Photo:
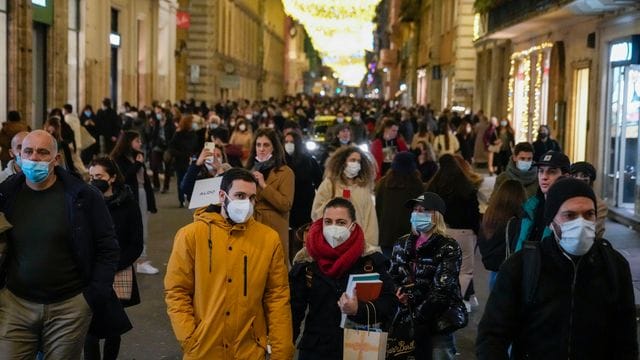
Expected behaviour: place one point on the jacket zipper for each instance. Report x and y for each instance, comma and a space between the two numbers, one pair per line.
573, 289
210, 248
245, 275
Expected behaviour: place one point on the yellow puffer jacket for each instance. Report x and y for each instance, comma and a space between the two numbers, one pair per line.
226, 295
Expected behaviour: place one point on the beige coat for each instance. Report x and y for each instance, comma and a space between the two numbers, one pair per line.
274, 202
362, 199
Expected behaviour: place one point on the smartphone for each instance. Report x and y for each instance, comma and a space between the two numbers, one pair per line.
211, 146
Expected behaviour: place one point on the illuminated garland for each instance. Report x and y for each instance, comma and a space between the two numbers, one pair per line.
340, 30
524, 58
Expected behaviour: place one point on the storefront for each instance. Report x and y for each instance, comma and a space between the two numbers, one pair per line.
3, 60
622, 154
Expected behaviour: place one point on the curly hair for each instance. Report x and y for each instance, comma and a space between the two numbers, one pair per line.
334, 168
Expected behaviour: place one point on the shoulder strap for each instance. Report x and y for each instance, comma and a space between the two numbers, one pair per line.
530, 270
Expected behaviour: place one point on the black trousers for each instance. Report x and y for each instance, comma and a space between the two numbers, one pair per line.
109, 352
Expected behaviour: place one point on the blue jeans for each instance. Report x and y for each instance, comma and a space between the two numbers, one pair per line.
493, 275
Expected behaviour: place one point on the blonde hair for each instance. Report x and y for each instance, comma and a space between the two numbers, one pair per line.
440, 226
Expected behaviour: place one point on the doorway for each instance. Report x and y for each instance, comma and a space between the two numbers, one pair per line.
580, 110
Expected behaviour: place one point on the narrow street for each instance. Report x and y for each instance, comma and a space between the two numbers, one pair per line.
152, 337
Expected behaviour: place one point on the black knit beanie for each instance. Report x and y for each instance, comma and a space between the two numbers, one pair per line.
562, 190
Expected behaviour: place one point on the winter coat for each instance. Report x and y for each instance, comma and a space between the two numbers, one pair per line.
274, 202
129, 170
159, 144
94, 246
361, 198
310, 288
181, 147
579, 310
540, 147
308, 177
528, 227
480, 150
440, 145
393, 216
127, 220
433, 268
528, 179
377, 147
467, 143
9, 130
226, 290
108, 123
462, 208
8, 171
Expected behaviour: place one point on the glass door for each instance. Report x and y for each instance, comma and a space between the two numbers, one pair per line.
623, 158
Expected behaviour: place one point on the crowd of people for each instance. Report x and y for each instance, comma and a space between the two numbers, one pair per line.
399, 193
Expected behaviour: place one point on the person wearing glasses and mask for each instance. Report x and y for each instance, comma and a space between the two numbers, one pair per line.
237, 266
569, 296
335, 248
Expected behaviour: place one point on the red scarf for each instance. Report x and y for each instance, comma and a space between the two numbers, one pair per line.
334, 262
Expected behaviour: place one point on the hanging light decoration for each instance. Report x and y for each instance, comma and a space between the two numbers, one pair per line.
340, 30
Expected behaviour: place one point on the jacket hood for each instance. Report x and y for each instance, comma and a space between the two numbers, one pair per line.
208, 216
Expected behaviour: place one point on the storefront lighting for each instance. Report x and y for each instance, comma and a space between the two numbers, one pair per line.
340, 30
403, 87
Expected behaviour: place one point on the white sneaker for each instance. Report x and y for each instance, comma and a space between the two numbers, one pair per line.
146, 268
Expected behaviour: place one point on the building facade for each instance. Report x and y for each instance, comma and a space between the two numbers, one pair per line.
81, 51
573, 65
232, 49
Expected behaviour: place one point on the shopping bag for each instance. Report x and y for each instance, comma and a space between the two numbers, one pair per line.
401, 340
365, 344
86, 139
123, 283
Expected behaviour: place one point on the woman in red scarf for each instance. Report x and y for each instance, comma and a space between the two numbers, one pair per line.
335, 248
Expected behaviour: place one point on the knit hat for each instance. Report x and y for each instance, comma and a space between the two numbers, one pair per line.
404, 162
555, 159
585, 168
562, 190
429, 201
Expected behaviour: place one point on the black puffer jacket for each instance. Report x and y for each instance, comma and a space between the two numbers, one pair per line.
127, 220
582, 310
433, 268
323, 337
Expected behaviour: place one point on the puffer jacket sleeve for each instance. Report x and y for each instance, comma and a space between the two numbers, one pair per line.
179, 286
280, 193
500, 319
278, 308
626, 342
446, 285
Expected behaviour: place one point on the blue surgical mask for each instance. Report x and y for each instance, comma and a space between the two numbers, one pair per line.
523, 165
87, 113
35, 171
421, 222
18, 161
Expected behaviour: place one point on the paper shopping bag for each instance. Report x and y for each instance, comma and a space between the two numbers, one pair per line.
364, 345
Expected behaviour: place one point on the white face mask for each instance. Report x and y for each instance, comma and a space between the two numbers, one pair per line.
352, 170
242, 127
336, 235
239, 211
265, 158
523, 165
577, 236
289, 148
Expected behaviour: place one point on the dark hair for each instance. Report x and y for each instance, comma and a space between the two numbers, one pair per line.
106, 102
54, 121
234, 174
385, 124
339, 202
123, 145
505, 203
278, 150
13, 115
68, 108
523, 147
422, 128
110, 166
449, 179
289, 124
298, 145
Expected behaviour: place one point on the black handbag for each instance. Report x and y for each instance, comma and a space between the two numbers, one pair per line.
401, 342
453, 318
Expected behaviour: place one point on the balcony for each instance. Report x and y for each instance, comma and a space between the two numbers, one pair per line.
515, 11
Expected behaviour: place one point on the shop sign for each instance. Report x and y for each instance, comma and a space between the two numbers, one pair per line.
183, 19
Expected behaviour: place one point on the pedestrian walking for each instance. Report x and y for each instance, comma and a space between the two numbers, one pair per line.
127, 220
571, 284
507, 142
520, 168
424, 267
386, 145
335, 249
544, 143
182, 147
13, 167
584, 171
10, 128
226, 286
58, 275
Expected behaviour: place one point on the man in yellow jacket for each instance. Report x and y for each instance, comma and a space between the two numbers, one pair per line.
226, 287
